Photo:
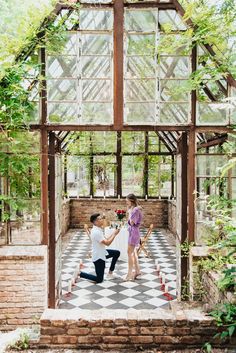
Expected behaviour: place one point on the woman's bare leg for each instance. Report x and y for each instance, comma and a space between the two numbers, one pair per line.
130, 262
136, 264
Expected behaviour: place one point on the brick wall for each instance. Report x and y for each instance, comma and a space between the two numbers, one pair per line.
23, 285
119, 329
212, 294
154, 211
65, 216
172, 216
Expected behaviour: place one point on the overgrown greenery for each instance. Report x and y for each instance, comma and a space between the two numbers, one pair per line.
19, 87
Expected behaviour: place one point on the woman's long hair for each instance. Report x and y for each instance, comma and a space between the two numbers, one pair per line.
133, 199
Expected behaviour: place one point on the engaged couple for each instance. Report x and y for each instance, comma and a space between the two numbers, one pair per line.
99, 243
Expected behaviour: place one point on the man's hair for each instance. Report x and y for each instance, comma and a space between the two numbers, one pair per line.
94, 217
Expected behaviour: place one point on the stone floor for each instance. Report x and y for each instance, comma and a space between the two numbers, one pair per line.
144, 293
124, 351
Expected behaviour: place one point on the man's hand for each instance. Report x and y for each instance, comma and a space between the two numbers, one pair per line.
110, 239
117, 231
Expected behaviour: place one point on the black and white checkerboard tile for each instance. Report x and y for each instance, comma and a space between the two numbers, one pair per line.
144, 293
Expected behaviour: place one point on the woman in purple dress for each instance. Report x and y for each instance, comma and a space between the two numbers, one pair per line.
134, 222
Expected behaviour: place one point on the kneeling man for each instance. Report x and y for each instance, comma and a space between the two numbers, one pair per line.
99, 251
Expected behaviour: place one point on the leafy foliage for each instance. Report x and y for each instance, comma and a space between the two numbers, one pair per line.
225, 315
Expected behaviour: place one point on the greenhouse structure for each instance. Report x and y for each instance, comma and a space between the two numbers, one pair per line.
111, 98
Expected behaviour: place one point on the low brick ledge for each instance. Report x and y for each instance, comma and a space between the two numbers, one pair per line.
21, 252
122, 329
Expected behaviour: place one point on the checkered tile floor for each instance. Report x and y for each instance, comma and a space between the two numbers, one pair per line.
144, 293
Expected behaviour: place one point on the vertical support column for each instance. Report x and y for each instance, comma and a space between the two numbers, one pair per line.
191, 156
119, 164
191, 185
44, 150
172, 176
65, 175
145, 186
184, 208
52, 224
118, 97
91, 167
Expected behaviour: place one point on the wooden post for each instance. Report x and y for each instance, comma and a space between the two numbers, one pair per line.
145, 186
119, 164
184, 210
44, 150
52, 224
118, 63
191, 157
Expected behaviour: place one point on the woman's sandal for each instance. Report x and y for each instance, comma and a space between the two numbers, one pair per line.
137, 275
127, 279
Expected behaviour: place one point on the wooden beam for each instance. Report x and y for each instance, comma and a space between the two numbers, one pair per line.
118, 99
150, 4
214, 142
52, 223
61, 127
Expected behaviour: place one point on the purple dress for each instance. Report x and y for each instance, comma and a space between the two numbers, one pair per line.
134, 232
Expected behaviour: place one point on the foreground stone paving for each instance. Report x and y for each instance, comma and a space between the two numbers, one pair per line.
181, 327
124, 351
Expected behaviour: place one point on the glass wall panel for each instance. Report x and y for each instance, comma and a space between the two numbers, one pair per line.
132, 175
104, 175
104, 142
174, 113
174, 67
78, 176
172, 19
141, 90
171, 90
62, 66
140, 66
96, 113
159, 176
233, 106
82, 73
154, 175
150, 82
153, 142
63, 113
209, 165
99, 67
142, 20
96, 90
62, 90
96, 44
140, 113
132, 142
209, 114
141, 44
95, 19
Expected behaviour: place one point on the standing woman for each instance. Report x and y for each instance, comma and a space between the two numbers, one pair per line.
134, 222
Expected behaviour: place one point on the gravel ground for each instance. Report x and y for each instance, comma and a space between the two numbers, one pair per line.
123, 351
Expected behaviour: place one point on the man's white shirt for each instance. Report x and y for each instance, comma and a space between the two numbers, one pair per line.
98, 248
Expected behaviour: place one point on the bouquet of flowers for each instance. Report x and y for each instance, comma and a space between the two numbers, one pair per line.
120, 214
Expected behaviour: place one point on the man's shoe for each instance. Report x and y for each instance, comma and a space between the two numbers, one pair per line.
112, 276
